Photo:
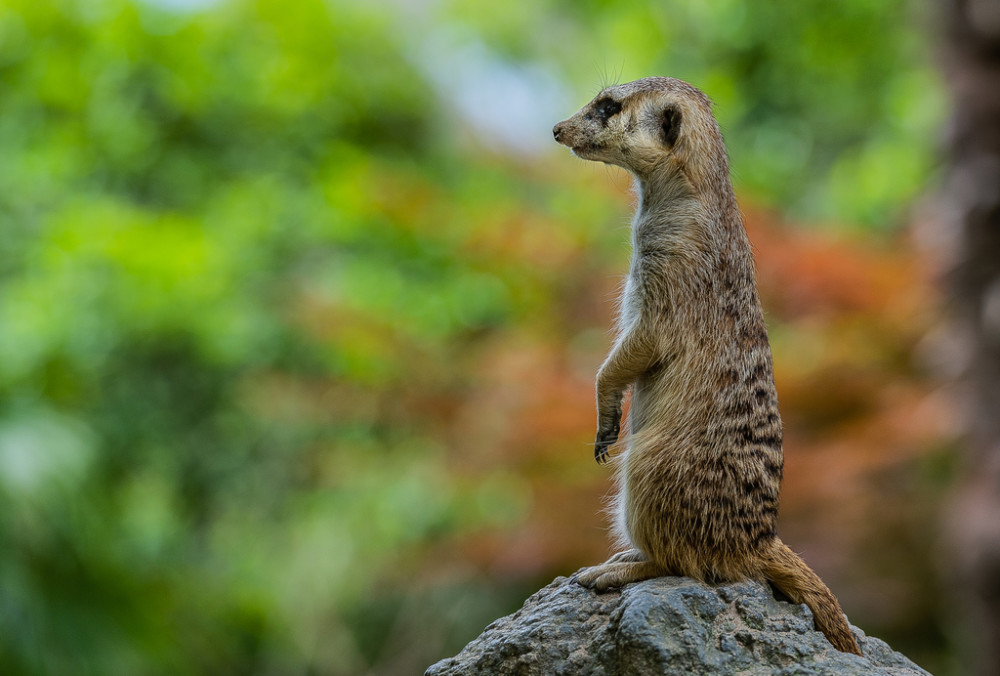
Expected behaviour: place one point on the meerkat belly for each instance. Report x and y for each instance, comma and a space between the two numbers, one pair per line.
695, 499
657, 469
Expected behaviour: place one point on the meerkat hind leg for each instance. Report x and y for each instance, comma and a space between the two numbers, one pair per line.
628, 556
608, 575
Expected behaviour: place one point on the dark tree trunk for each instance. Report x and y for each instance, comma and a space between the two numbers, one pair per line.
972, 208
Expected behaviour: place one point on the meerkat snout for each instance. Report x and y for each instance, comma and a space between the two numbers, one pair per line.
556, 131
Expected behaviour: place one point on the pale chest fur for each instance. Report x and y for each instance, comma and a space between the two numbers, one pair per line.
631, 300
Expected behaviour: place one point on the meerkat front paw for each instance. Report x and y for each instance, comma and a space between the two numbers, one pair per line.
607, 436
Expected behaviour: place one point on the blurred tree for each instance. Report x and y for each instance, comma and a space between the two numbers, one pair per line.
204, 300
972, 209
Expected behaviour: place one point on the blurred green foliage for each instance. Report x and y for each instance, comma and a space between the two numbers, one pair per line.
235, 238
830, 110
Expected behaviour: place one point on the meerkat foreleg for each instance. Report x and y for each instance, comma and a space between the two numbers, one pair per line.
628, 359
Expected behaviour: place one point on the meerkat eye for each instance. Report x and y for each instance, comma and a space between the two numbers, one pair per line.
670, 124
605, 109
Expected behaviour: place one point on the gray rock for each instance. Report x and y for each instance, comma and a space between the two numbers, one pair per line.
669, 625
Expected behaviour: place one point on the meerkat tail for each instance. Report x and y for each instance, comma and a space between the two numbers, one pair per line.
789, 573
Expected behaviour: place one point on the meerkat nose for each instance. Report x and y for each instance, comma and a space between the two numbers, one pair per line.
556, 131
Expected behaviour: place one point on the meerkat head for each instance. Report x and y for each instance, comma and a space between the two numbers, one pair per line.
650, 125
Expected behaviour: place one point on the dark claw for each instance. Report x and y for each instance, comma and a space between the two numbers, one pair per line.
601, 453
605, 440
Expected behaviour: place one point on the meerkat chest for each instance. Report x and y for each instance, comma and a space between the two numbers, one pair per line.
631, 301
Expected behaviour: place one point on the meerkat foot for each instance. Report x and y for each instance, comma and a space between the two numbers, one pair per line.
628, 556
608, 575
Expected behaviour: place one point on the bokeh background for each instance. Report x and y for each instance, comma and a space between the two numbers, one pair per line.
300, 308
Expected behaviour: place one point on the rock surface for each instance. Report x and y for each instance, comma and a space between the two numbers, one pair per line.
669, 625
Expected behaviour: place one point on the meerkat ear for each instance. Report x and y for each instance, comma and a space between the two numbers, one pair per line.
670, 124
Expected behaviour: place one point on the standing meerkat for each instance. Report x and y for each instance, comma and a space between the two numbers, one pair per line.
700, 473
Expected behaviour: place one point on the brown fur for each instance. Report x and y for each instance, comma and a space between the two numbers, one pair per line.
700, 474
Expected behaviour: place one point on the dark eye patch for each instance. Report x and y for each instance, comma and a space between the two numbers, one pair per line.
605, 109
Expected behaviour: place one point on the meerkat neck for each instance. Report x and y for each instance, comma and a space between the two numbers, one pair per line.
661, 190
656, 225
698, 225
670, 216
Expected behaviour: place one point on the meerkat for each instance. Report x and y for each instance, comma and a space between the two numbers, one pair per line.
699, 475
